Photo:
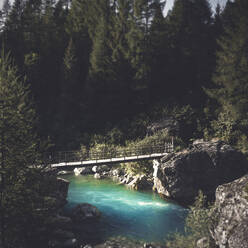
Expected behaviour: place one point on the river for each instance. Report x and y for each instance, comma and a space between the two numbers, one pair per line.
133, 214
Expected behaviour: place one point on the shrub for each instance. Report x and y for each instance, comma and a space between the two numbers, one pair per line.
140, 167
197, 225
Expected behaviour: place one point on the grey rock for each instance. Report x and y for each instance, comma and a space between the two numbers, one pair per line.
231, 215
85, 211
83, 171
98, 176
140, 182
206, 165
104, 168
86, 170
202, 243
100, 168
95, 168
61, 173
78, 171
116, 172
126, 179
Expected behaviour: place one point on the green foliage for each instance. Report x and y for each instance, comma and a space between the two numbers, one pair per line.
138, 168
115, 143
190, 50
95, 62
197, 226
230, 79
22, 182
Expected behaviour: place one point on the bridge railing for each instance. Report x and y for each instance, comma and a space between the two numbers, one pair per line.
78, 156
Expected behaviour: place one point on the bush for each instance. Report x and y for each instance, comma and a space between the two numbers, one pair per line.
197, 225
135, 168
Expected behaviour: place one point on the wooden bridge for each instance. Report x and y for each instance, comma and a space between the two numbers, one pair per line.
72, 159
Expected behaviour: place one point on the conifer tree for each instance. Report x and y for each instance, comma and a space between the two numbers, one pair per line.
70, 99
20, 179
231, 78
5, 12
189, 26
101, 71
158, 53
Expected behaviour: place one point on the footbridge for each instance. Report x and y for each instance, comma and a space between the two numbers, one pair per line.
73, 159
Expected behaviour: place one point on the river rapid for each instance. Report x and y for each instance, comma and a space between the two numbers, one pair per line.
128, 213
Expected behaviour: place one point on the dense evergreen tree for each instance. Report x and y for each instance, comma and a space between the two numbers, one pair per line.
122, 55
4, 13
93, 65
231, 78
70, 100
159, 54
101, 74
191, 55
20, 184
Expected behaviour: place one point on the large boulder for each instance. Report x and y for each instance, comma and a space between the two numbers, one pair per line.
126, 179
100, 168
140, 182
85, 211
204, 166
230, 227
98, 176
82, 171
62, 173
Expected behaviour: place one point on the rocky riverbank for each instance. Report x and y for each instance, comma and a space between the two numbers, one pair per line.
179, 176
137, 182
231, 214
204, 166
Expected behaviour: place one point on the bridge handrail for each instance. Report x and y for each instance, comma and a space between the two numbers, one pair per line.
73, 156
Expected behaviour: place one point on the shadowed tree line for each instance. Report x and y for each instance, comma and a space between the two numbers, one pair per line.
110, 67
91, 64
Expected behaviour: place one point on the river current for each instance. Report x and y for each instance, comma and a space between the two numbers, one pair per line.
133, 214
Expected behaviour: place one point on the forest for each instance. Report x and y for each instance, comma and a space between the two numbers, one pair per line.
106, 66
84, 72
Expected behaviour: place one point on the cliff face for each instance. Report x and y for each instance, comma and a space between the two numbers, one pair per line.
204, 166
231, 215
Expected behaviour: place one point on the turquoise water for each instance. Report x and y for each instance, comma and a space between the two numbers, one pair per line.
133, 214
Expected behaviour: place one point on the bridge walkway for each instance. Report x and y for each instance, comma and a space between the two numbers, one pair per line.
72, 159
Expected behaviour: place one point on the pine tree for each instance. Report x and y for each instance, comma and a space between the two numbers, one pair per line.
70, 100
190, 41
231, 78
5, 12
20, 179
158, 53
13, 31
101, 74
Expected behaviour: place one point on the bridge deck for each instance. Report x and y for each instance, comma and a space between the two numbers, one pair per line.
72, 159
107, 161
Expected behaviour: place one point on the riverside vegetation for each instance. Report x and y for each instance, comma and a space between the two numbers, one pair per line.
99, 73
